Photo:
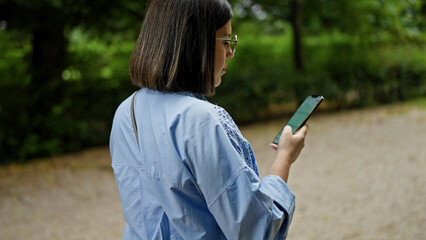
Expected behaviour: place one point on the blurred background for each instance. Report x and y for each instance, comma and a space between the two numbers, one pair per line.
64, 63
64, 71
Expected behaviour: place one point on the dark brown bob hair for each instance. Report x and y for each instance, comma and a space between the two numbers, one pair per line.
175, 48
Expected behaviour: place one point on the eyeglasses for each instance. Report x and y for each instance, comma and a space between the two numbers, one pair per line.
231, 42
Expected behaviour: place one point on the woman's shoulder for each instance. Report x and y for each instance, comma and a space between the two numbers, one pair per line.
220, 117
205, 109
202, 110
123, 109
188, 106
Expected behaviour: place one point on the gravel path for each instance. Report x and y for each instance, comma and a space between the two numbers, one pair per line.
362, 175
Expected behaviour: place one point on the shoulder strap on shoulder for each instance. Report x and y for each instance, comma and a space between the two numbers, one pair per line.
132, 114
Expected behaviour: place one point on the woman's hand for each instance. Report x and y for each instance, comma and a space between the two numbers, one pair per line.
290, 146
288, 149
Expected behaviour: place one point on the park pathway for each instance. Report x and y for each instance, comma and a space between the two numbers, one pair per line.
362, 176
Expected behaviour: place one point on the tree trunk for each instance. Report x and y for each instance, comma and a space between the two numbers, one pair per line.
46, 88
47, 63
296, 22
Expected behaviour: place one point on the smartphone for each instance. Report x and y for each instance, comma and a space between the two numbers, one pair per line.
302, 114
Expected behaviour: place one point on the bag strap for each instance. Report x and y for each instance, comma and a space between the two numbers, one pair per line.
132, 114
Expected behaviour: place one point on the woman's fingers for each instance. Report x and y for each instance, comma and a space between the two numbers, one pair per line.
302, 131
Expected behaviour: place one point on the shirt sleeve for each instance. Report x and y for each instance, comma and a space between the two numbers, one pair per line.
244, 206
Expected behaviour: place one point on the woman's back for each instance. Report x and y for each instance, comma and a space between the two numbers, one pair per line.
158, 167
182, 181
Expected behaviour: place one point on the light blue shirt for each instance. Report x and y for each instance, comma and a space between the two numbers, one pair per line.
194, 176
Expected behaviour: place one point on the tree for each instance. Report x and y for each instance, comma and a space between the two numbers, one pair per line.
296, 22
402, 20
286, 10
46, 24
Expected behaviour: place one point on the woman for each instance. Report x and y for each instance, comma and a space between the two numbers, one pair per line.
183, 169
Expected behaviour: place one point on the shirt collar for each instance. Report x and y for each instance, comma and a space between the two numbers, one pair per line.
196, 95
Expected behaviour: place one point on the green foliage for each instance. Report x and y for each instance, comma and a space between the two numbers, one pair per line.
258, 74
348, 71
403, 20
359, 74
357, 53
94, 83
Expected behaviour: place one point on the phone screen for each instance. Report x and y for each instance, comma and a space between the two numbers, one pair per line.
301, 115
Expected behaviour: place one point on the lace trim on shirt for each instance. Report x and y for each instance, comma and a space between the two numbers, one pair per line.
241, 145
196, 95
